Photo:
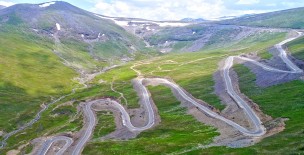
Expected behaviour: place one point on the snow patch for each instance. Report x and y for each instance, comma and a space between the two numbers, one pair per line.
164, 24
58, 27
161, 24
120, 23
144, 22
46, 4
100, 35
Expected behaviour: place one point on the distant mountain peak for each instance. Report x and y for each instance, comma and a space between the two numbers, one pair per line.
198, 20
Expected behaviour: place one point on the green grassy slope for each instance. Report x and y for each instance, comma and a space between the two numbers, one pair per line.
30, 74
264, 54
282, 19
297, 48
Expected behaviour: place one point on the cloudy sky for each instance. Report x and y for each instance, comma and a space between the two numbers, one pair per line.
175, 9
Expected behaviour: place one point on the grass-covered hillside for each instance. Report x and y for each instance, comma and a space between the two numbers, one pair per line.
297, 48
292, 18
30, 75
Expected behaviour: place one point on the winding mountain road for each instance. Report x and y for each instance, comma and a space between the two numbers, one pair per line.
259, 129
29, 124
91, 121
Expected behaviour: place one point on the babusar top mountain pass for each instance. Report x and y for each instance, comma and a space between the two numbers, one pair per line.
151, 77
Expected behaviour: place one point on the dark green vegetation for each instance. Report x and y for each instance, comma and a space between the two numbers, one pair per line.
297, 48
264, 54
105, 124
292, 18
170, 136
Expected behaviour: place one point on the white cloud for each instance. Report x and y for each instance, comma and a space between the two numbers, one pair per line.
4, 3
248, 2
159, 9
170, 9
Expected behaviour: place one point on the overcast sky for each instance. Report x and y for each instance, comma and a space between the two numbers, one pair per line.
175, 9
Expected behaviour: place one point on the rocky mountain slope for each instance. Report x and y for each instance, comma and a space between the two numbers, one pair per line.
196, 37
192, 36
80, 37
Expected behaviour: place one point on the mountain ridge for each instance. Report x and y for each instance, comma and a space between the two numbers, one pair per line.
197, 20
99, 41
290, 18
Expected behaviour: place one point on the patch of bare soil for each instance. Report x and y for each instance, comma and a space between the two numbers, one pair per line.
13, 152
16, 152
56, 147
37, 143
268, 78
